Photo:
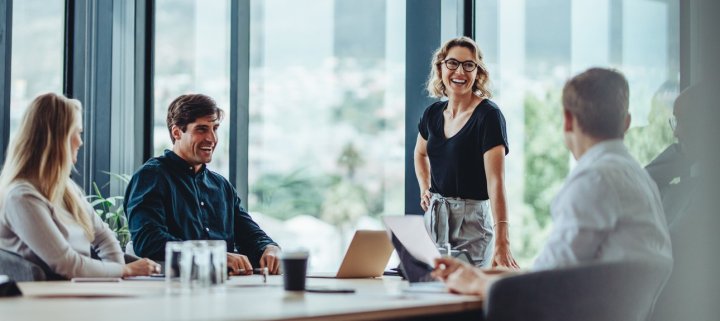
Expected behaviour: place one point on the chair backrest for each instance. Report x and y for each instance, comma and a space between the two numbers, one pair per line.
599, 291
20, 269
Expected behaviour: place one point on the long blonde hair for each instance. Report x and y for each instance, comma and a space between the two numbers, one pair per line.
41, 154
435, 86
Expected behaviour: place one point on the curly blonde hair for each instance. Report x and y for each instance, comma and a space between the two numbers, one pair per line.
435, 86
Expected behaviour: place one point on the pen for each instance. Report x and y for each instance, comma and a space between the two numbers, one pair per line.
262, 271
255, 270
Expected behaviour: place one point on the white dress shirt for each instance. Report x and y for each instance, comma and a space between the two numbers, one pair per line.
609, 209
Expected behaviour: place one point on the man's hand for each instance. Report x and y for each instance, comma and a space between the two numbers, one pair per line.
460, 277
271, 259
239, 264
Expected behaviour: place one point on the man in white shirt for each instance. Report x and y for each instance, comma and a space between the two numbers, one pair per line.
609, 208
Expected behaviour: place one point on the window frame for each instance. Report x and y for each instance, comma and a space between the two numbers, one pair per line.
88, 76
6, 8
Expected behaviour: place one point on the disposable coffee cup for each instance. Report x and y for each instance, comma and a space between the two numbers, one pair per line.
294, 267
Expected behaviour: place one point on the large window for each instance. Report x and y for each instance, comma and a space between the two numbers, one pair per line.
37, 53
327, 94
326, 153
532, 48
192, 55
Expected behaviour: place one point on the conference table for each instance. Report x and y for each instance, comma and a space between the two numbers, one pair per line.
242, 298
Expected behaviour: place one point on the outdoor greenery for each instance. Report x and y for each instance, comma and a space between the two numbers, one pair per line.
546, 164
338, 198
285, 195
646, 142
344, 181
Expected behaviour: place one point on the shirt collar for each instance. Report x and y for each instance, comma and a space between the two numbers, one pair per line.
615, 146
181, 165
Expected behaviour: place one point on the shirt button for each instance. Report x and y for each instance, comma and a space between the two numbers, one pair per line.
202, 203
207, 229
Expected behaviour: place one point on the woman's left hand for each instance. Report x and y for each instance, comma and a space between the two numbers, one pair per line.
502, 257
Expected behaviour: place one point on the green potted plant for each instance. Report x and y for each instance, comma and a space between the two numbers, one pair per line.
111, 211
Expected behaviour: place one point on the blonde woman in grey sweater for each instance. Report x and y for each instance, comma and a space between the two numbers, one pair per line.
43, 215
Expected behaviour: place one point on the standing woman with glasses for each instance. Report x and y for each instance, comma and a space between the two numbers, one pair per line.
43, 215
460, 158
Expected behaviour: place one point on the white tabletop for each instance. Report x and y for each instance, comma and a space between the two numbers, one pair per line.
243, 298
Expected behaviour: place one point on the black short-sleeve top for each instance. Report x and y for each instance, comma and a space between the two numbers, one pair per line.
457, 168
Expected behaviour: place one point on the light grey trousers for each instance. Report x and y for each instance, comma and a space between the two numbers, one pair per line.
464, 224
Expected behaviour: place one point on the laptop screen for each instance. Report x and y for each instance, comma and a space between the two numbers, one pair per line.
413, 269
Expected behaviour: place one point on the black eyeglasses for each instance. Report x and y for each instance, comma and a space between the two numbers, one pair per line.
453, 64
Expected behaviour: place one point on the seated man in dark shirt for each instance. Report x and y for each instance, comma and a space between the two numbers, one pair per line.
675, 170
175, 197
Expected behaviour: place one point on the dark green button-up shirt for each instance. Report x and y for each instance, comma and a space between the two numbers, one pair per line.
167, 201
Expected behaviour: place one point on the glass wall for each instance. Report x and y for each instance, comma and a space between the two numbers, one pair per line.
327, 88
326, 141
532, 48
37, 53
192, 55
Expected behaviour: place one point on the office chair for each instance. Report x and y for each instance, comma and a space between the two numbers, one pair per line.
19, 269
599, 291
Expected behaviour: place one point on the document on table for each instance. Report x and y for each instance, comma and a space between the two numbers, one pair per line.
410, 231
154, 277
95, 279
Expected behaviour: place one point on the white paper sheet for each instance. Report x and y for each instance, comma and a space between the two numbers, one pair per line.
410, 231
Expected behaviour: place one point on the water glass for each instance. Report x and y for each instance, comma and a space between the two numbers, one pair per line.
193, 265
175, 252
218, 262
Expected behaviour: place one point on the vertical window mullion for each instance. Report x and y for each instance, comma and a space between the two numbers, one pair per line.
88, 77
239, 95
5, 65
145, 72
423, 37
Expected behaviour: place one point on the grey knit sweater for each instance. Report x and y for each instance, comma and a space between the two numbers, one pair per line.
42, 232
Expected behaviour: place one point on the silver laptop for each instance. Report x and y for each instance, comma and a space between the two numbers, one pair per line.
366, 257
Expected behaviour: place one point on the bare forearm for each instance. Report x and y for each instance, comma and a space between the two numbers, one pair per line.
498, 202
422, 172
422, 164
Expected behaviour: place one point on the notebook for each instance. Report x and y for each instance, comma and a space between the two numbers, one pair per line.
366, 257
